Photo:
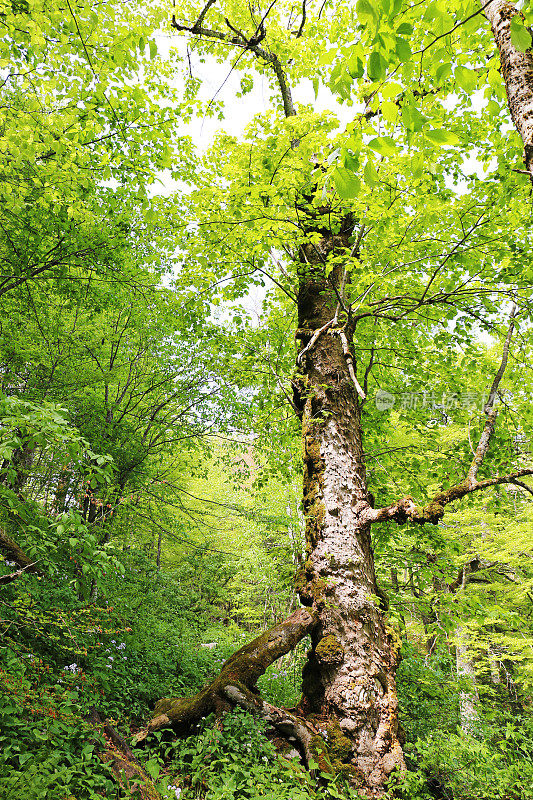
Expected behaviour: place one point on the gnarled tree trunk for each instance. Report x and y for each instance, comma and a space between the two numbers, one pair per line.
347, 717
349, 675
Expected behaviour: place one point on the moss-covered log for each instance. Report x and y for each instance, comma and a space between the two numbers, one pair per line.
236, 682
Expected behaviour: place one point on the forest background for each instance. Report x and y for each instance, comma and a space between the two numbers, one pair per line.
150, 483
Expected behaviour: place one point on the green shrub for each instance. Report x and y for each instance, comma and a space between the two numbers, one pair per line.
240, 762
46, 749
496, 766
428, 693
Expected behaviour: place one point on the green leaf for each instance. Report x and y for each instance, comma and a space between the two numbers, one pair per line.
494, 78
377, 66
346, 183
440, 136
391, 90
351, 162
370, 173
327, 57
403, 49
384, 145
355, 66
366, 8
412, 118
404, 29
520, 36
153, 49
443, 71
389, 110
417, 167
466, 79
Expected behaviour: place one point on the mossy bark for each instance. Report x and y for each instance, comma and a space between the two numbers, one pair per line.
236, 681
348, 688
348, 680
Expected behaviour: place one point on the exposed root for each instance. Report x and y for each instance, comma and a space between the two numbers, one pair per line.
285, 722
236, 684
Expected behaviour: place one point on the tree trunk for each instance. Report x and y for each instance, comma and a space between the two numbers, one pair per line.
517, 71
349, 677
468, 699
348, 712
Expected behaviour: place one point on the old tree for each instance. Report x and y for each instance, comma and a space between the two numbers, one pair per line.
377, 213
398, 257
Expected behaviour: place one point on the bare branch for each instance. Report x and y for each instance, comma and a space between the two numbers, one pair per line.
252, 44
199, 21
15, 553
314, 338
349, 361
14, 575
523, 486
302, 23
490, 408
239, 673
452, 30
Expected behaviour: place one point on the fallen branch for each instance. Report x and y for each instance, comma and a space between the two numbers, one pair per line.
12, 576
15, 553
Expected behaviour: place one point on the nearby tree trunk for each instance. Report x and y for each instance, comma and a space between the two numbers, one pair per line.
349, 675
468, 699
517, 71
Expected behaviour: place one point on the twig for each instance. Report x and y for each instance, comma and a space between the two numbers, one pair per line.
349, 361
314, 338
14, 575
523, 486
490, 408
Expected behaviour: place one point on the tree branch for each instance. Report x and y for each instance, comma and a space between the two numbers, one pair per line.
523, 486
407, 509
240, 40
12, 576
15, 553
490, 408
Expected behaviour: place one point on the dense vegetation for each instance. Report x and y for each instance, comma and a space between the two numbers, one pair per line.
151, 521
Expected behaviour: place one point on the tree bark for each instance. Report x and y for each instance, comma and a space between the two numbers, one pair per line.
468, 699
349, 677
236, 685
517, 71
